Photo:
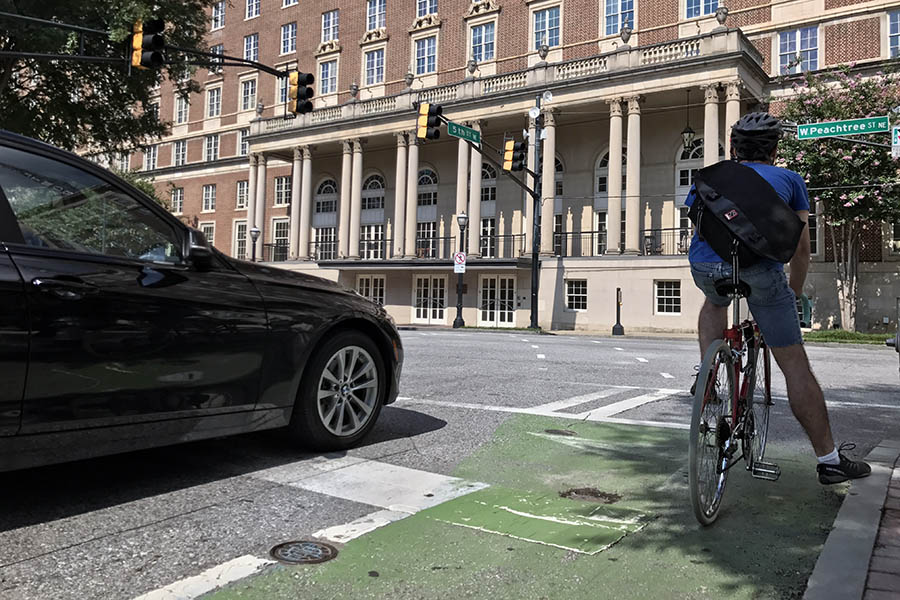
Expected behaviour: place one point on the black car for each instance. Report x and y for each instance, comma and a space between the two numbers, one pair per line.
121, 328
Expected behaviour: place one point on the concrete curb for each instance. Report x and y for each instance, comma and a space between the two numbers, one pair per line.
843, 565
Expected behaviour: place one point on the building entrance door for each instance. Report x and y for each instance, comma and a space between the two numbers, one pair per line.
497, 301
430, 299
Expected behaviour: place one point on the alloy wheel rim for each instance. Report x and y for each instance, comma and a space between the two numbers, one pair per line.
347, 391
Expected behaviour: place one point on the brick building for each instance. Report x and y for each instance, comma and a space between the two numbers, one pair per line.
347, 192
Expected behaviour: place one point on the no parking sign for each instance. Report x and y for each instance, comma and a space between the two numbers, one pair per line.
459, 262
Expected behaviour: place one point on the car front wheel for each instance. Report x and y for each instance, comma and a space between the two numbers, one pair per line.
341, 394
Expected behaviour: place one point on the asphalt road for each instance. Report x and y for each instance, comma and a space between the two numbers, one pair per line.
119, 527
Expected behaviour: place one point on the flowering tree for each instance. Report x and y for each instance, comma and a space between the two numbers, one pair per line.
855, 184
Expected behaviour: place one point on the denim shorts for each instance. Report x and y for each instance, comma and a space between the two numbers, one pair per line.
772, 302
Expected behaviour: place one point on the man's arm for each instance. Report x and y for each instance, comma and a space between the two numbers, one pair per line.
800, 261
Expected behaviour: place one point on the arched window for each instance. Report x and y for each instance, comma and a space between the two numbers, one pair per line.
558, 178
428, 182
373, 192
601, 201
488, 246
327, 196
488, 183
325, 239
601, 175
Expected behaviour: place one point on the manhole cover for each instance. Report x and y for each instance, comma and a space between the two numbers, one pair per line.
590, 495
296, 553
568, 432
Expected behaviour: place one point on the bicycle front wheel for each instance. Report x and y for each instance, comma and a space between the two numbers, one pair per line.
711, 432
760, 400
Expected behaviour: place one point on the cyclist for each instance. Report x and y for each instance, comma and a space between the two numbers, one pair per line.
772, 300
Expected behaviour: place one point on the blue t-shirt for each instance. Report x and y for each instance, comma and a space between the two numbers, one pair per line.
789, 186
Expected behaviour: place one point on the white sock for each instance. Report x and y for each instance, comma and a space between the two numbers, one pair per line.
832, 458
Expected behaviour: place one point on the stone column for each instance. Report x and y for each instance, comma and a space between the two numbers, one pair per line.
344, 211
399, 226
412, 197
614, 179
306, 204
260, 213
711, 124
251, 203
474, 201
356, 199
296, 176
528, 213
732, 111
548, 183
633, 183
462, 171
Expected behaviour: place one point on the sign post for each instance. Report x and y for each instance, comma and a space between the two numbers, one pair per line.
895, 141
463, 132
810, 131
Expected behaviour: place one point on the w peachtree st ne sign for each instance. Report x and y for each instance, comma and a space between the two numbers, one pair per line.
850, 127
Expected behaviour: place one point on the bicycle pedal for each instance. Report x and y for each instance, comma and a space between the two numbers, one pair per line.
768, 471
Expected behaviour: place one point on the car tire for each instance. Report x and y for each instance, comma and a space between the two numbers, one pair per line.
341, 394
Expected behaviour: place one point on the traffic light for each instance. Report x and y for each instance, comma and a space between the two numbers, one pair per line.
429, 121
514, 155
299, 92
147, 43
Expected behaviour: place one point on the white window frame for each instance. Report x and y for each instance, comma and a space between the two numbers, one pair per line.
377, 79
214, 102
289, 38
656, 297
281, 90
373, 232
570, 295
331, 20
182, 109
370, 290
704, 8
151, 157
282, 190
251, 10
123, 162
243, 146
286, 222
893, 33
216, 49
616, 13
251, 47
492, 23
497, 309
797, 35
217, 19
176, 200
425, 56
248, 93
376, 14
426, 7
332, 88
546, 8
442, 320
238, 196
286, 3
179, 153
237, 238
203, 226
211, 147
208, 196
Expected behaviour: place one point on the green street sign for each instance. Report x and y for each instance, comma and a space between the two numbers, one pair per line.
463, 132
811, 131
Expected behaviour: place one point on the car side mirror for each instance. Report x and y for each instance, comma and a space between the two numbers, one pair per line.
199, 252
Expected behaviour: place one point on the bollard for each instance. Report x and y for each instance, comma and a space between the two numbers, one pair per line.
617, 328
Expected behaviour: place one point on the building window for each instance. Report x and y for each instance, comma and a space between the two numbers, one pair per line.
326, 197
280, 232
371, 287
123, 162
281, 92
576, 294
216, 62
483, 42
328, 77
488, 245
697, 7
668, 297
240, 240
243, 187
177, 200
798, 50
150, 156
375, 67
558, 237
600, 230
283, 190
326, 247
252, 8
546, 27
371, 242
214, 102
243, 142
426, 7
209, 232
287, 3
218, 15
179, 153
289, 38
894, 34
426, 244
426, 53
330, 25
375, 12
209, 197
248, 94
373, 193
427, 188
181, 109
619, 13
895, 238
488, 183
212, 147
251, 47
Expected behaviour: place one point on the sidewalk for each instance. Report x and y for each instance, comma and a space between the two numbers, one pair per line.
861, 557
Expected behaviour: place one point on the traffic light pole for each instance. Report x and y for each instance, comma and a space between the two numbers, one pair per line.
535, 215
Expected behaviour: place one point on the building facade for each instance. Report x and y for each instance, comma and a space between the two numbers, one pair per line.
348, 192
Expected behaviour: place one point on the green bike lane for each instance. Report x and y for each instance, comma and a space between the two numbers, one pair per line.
628, 533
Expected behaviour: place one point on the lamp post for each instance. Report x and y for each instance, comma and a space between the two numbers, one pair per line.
254, 235
462, 219
687, 134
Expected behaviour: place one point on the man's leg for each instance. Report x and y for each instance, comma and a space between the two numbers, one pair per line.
805, 397
711, 324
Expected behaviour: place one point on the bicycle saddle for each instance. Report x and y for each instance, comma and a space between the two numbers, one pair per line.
725, 287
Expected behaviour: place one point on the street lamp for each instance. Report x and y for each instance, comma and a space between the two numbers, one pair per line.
687, 134
462, 219
254, 235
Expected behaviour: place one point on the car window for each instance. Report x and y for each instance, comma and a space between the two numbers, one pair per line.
61, 206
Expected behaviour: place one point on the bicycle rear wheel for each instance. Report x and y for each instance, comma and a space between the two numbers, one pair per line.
711, 432
759, 401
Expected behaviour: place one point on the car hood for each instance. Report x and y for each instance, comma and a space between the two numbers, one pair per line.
264, 272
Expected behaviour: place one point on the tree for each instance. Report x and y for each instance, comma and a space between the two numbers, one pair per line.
145, 184
856, 185
94, 106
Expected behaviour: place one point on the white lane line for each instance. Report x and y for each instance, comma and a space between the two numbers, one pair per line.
617, 407
597, 341
541, 356
620, 349
841, 404
208, 580
361, 526
524, 340
667, 375
576, 400
640, 359
534, 346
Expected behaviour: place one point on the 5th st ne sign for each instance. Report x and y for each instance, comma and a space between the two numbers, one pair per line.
811, 131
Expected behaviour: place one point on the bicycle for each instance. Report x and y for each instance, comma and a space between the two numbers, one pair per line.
726, 416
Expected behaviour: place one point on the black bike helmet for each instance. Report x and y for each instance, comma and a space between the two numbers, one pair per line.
755, 136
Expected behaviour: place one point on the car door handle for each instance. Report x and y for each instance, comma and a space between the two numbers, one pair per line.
67, 289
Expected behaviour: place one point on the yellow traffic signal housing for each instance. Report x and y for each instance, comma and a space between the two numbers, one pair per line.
147, 44
137, 44
299, 92
514, 155
427, 125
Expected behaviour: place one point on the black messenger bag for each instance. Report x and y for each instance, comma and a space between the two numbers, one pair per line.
734, 202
